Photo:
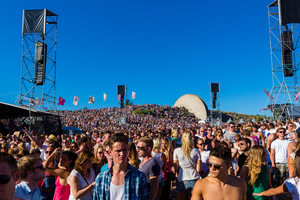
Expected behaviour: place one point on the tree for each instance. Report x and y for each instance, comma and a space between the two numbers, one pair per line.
128, 103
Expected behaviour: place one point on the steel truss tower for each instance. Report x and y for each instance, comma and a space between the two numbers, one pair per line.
216, 115
285, 57
38, 68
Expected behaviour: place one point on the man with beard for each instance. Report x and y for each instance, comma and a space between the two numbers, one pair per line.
245, 145
219, 185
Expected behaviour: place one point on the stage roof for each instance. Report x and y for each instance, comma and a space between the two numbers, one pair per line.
10, 110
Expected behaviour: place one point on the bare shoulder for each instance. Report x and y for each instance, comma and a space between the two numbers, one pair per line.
202, 183
199, 189
236, 181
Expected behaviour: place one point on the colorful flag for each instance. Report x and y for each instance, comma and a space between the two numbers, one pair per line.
119, 97
133, 95
297, 95
268, 94
263, 109
75, 100
61, 101
91, 100
45, 108
104, 97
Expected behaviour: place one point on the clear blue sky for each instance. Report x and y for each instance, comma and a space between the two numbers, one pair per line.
160, 49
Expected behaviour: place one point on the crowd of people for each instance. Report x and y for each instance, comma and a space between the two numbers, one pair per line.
165, 154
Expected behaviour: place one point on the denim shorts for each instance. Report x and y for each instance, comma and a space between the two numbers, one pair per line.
184, 186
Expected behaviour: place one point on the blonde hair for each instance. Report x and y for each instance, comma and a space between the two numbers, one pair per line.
133, 155
156, 144
254, 162
96, 160
26, 164
218, 132
83, 156
174, 133
187, 143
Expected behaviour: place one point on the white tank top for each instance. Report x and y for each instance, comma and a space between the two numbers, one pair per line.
117, 192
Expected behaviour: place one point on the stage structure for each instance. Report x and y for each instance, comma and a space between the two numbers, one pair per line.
215, 115
284, 30
38, 68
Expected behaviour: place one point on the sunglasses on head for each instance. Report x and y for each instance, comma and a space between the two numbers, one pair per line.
217, 167
4, 179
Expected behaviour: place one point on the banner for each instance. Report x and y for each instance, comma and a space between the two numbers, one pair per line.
268, 94
75, 100
119, 97
91, 100
133, 95
104, 97
61, 101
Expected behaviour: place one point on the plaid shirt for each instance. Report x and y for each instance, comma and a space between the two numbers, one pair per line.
135, 185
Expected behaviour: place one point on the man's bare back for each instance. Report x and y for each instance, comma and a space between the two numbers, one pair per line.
211, 188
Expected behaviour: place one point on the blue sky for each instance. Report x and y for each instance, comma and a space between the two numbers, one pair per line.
160, 49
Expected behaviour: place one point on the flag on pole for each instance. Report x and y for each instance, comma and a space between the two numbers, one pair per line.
75, 100
297, 95
119, 97
133, 95
268, 94
91, 100
104, 97
61, 101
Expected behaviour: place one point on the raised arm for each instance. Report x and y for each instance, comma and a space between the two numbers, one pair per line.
55, 172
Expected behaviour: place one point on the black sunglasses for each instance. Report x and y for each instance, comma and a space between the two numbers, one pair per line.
217, 167
4, 179
41, 167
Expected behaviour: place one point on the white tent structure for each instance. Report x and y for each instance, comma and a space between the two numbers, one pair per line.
194, 104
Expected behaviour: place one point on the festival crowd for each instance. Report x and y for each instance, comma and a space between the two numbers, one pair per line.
165, 154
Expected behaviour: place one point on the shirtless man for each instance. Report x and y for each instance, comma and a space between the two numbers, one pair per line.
219, 185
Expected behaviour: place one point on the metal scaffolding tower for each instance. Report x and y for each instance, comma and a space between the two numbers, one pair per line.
38, 68
285, 57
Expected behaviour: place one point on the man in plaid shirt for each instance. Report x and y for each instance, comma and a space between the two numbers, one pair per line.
122, 180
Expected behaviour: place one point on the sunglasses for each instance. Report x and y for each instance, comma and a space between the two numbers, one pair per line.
41, 167
4, 179
217, 167
201, 144
50, 152
141, 148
